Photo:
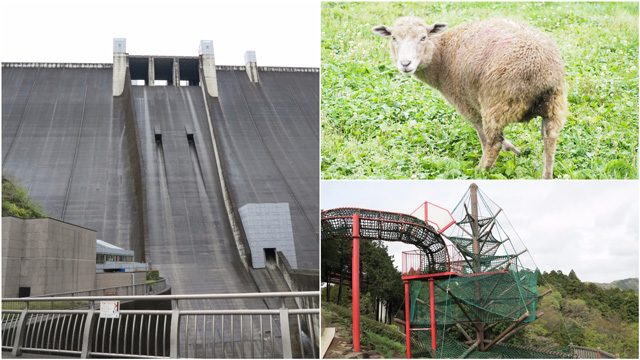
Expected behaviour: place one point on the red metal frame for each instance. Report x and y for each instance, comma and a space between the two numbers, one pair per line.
375, 219
454, 264
426, 216
407, 307
433, 316
355, 281
407, 318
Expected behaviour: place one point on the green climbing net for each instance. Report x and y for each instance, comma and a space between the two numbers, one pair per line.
491, 288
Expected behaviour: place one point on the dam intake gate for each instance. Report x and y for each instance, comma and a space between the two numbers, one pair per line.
47, 326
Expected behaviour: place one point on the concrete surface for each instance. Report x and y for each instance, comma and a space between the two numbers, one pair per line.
208, 62
120, 64
92, 159
327, 338
268, 138
268, 226
251, 65
66, 139
115, 279
46, 255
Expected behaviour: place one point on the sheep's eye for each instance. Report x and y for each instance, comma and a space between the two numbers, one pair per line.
393, 38
424, 38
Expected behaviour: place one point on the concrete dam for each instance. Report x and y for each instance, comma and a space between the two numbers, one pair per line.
209, 173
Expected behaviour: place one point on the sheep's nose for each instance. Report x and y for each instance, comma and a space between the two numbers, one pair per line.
405, 63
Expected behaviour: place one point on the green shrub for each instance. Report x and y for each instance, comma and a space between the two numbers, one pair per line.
17, 202
368, 324
153, 275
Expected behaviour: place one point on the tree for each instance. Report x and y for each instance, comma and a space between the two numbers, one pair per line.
336, 259
384, 281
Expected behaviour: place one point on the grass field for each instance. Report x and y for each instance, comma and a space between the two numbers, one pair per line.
377, 124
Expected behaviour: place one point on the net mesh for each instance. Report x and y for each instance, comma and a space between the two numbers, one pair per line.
490, 286
487, 299
449, 348
387, 226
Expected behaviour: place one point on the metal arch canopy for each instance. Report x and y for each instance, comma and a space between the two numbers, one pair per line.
387, 226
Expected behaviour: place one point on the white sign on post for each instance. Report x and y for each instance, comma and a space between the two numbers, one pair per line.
109, 309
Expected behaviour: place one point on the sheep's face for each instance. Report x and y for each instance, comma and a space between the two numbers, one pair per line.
411, 45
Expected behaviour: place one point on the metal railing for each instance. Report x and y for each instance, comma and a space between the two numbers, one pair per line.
582, 352
416, 262
149, 288
175, 333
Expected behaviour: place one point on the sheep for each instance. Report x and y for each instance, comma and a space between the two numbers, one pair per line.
494, 72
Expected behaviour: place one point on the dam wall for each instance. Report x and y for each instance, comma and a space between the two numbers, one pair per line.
267, 133
139, 168
65, 139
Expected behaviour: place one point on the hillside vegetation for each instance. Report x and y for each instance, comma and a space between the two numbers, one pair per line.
377, 124
17, 202
624, 284
586, 315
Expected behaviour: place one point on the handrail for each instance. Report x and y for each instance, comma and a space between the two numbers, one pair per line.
193, 333
71, 293
597, 352
172, 297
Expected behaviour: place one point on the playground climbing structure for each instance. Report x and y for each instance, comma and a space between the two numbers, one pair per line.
467, 288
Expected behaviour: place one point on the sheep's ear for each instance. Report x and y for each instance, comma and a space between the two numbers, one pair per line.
437, 28
382, 30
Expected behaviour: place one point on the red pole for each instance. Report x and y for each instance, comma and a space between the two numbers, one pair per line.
407, 310
355, 282
433, 316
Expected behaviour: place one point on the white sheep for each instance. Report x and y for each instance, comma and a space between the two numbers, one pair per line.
494, 72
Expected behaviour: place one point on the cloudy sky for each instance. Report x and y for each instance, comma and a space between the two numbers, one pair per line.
588, 226
281, 33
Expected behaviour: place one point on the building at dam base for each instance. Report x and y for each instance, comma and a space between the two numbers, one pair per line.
48, 256
158, 154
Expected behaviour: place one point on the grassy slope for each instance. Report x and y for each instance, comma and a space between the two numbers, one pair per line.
378, 124
388, 341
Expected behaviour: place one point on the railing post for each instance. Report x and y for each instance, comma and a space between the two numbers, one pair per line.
174, 342
87, 337
433, 315
286, 335
407, 318
22, 327
355, 282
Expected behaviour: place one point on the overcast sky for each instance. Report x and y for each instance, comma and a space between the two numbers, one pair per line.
588, 226
281, 33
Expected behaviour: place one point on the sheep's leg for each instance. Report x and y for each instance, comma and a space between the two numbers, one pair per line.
508, 146
491, 146
550, 130
551, 126
483, 139
491, 151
